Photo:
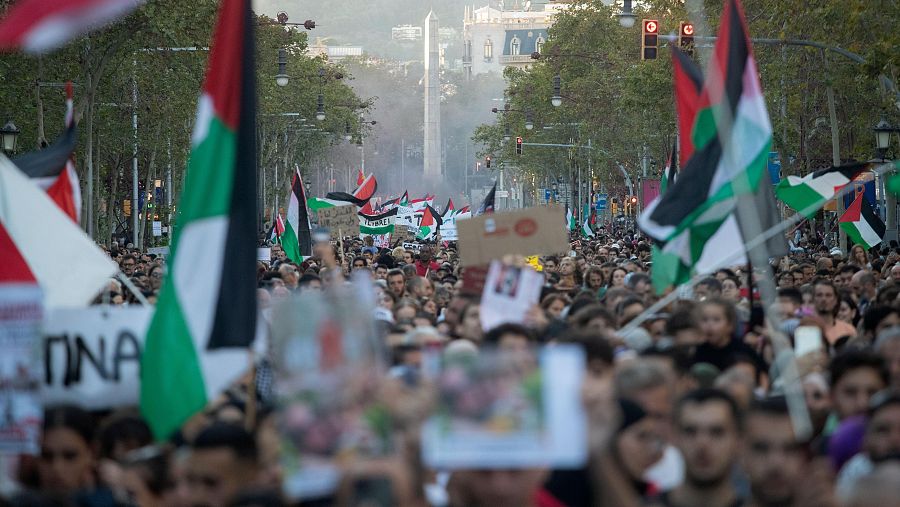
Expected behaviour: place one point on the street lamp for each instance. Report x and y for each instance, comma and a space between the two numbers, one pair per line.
626, 17
529, 123
281, 79
347, 135
556, 99
10, 134
883, 133
320, 108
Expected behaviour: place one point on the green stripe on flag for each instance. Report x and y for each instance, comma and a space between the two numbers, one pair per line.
291, 244
211, 168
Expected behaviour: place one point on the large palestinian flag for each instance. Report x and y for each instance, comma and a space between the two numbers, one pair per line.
359, 197
732, 136
297, 239
376, 225
862, 224
807, 194
430, 224
206, 314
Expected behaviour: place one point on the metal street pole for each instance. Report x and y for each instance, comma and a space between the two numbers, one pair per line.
135, 209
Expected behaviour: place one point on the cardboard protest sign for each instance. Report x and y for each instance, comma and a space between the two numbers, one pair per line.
509, 292
473, 280
341, 219
508, 410
21, 412
530, 231
158, 250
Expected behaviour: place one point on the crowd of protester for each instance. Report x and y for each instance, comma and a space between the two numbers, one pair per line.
688, 408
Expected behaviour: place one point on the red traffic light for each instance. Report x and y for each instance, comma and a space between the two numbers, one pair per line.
633, 200
651, 26
687, 29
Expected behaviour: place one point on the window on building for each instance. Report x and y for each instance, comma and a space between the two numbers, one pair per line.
539, 44
514, 46
488, 49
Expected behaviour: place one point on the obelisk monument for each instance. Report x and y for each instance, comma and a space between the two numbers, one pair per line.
432, 130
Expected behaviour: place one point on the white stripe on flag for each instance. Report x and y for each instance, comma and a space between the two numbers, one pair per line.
56, 30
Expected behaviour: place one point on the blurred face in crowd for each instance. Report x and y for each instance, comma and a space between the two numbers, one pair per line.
289, 275
556, 308
495, 487
818, 400
824, 299
890, 351
216, 475
381, 273
846, 313
128, 266
566, 267
639, 446
715, 325
730, 290
895, 273
708, 438
773, 460
851, 394
470, 324
595, 280
846, 279
408, 257
66, 462
618, 277
397, 284
359, 264
550, 266
882, 437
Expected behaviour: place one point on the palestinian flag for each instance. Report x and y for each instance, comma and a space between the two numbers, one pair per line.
297, 240
404, 199
206, 315
688, 83
670, 173
732, 136
277, 230
571, 223
464, 209
862, 224
448, 207
430, 224
360, 178
375, 225
37, 26
39, 242
53, 168
809, 193
586, 230
360, 197
487, 206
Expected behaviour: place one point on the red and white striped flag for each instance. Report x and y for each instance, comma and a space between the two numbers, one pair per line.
38, 26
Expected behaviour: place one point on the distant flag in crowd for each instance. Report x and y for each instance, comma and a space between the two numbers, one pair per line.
862, 224
487, 205
53, 168
404, 199
732, 136
38, 26
670, 173
277, 229
430, 224
463, 210
360, 178
297, 239
448, 207
206, 314
360, 197
377, 224
586, 230
807, 194
571, 223
66, 263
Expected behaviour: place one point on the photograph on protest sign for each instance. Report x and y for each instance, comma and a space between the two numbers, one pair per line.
21, 409
507, 409
509, 292
327, 371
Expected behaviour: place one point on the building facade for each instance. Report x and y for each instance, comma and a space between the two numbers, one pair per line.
494, 38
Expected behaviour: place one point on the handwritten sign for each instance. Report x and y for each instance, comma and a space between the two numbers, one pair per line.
340, 218
530, 231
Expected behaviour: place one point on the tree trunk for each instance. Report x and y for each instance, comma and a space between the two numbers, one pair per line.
150, 175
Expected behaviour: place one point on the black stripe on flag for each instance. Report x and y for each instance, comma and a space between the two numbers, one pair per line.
304, 236
849, 171
870, 217
49, 162
345, 197
235, 318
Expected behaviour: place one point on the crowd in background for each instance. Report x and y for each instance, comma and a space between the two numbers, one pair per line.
688, 408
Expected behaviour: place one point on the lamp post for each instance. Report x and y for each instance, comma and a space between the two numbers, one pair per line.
282, 79
882, 131
10, 136
556, 99
320, 108
626, 17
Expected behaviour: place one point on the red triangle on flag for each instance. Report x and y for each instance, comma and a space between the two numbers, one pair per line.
13, 267
853, 212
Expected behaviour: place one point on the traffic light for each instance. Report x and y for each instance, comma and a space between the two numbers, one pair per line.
686, 38
487, 161
519, 145
649, 39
